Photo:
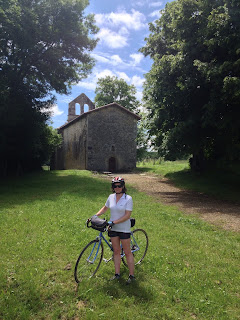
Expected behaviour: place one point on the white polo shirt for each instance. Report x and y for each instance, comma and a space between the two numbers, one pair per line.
118, 211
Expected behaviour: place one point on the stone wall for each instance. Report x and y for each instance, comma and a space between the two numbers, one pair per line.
81, 100
102, 139
74, 144
111, 137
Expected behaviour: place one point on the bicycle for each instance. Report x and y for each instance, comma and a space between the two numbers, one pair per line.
91, 256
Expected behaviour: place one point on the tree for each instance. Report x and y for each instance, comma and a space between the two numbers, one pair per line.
45, 46
47, 143
112, 89
193, 89
143, 142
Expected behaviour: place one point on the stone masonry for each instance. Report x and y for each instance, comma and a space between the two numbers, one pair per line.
82, 100
101, 139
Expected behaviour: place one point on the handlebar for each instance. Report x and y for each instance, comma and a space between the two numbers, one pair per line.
132, 220
87, 223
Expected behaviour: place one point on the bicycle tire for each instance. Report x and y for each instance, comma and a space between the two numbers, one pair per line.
141, 240
86, 268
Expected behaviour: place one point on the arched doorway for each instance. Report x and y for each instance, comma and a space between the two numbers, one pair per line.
112, 164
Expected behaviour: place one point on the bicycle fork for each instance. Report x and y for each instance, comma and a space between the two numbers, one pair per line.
93, 252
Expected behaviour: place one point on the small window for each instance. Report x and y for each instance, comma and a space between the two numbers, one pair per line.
77, 109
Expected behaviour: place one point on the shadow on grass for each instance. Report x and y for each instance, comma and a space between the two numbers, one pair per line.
50, 185
142, 170
118, 289
219, 184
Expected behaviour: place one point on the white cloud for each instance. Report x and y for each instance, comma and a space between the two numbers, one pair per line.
91, 82
132, 21
115, 27
139, 95
53, 110
112, 39
137, 58
104, 73
56, 111
116, 60
137, 81
156, 4
100, 58
123, 75
139, 3
89, 85
66, 99
156, 14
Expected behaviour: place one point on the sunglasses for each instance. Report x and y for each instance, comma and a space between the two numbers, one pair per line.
117, 186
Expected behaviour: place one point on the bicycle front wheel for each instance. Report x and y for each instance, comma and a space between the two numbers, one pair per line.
88, 261
139, 246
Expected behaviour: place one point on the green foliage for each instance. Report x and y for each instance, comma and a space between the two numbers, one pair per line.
142, 137
191, 269
48, 143
161, 167
44, 47
112, 89
193, 88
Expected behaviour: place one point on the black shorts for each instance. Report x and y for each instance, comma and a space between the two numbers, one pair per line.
121, 235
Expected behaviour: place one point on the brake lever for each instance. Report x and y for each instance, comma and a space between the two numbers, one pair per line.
87, 222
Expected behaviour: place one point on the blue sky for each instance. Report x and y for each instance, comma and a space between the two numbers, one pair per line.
123, 27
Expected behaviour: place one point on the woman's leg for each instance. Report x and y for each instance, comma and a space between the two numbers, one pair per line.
116, 253
129, 255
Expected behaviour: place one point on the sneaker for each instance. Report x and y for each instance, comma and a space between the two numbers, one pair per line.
116, 277
130, 279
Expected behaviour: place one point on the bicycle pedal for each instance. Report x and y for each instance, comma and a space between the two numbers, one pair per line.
107, 260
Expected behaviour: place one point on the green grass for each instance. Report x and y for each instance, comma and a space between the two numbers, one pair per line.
191, 270
222, 184
162, 167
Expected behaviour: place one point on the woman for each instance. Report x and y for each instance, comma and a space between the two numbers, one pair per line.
120, 205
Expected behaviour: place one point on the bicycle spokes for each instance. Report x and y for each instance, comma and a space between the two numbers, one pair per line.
139, 245
89, 261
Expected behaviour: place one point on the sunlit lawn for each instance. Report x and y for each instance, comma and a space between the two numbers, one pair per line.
191, 270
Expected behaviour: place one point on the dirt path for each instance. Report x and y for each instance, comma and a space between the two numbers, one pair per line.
218, 212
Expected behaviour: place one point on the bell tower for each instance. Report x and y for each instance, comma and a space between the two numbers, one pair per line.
81, 100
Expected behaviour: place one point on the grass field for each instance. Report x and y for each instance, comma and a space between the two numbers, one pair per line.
191, 270
223, 184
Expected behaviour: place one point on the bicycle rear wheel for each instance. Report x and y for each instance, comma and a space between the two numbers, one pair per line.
88, 261
139, 246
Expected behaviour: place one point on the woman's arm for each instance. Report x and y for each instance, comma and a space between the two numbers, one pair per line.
124, 218
102, 211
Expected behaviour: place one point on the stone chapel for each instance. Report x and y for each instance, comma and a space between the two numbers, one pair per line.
99, 139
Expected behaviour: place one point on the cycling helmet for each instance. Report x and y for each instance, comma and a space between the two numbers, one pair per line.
118, 180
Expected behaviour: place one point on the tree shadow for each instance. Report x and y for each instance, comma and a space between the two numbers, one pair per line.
49, 185
216, 184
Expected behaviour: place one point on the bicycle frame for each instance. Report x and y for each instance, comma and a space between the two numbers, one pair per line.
100, 238
135, 243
